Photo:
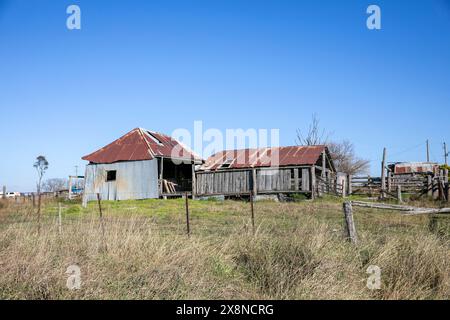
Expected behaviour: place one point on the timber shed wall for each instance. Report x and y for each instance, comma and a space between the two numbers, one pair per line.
234, 181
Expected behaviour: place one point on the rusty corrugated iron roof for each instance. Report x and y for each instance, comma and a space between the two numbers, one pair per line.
142, 144
414, 167
264, 157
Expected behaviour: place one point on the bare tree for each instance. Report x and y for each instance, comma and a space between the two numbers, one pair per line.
315, 134
41, 165
345, 159
342, 153
54, 185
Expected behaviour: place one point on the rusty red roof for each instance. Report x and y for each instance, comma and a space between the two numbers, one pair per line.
414, 167
142, 144
265, 157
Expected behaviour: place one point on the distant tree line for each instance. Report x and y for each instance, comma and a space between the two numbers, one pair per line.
55, 185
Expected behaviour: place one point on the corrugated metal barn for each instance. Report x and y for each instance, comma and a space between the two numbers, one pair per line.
141, 164
294, 169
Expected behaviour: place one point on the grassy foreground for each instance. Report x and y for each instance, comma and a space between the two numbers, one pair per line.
298, 252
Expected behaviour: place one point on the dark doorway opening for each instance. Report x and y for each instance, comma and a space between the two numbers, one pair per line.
177, 177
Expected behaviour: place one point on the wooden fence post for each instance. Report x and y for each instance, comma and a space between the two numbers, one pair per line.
39, 211
349, 223
447, 188
442, 195
429, 185
254, 181
399, 193
188, 229
101, 221
349, 188
59, 219
70, 187
344, 188
435, 184
253, 212
4, 192
383, 175
389, 181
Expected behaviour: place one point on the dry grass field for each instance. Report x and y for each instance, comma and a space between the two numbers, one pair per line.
299, 251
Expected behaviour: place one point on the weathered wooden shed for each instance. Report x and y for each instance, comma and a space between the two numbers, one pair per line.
293, 169
412, 176
141, 164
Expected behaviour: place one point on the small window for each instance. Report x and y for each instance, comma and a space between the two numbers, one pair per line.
111, 175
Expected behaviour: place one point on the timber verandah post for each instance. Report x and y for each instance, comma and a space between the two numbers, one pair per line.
194, 182
323, 173
312, 172
161, 167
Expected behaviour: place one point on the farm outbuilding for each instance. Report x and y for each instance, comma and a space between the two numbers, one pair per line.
142, 164
412, 176
414, 168
262, 171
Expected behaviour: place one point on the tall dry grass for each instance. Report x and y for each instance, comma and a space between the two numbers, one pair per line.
298, 256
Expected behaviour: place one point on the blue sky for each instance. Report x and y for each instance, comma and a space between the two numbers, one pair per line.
232, 64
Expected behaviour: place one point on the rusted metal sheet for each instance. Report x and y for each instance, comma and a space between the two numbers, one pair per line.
414, 167
142, 144
264, 157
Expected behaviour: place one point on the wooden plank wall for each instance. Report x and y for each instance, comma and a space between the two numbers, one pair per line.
274, 180
241, 181
223, 182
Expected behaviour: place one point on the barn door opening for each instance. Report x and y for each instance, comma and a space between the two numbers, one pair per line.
176, 177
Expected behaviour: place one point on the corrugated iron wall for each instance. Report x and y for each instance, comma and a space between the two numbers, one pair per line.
134, 180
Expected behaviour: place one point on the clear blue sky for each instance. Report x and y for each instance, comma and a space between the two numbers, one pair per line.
232, 64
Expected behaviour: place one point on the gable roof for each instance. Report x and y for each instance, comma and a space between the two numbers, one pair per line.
142, 144
266, 157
